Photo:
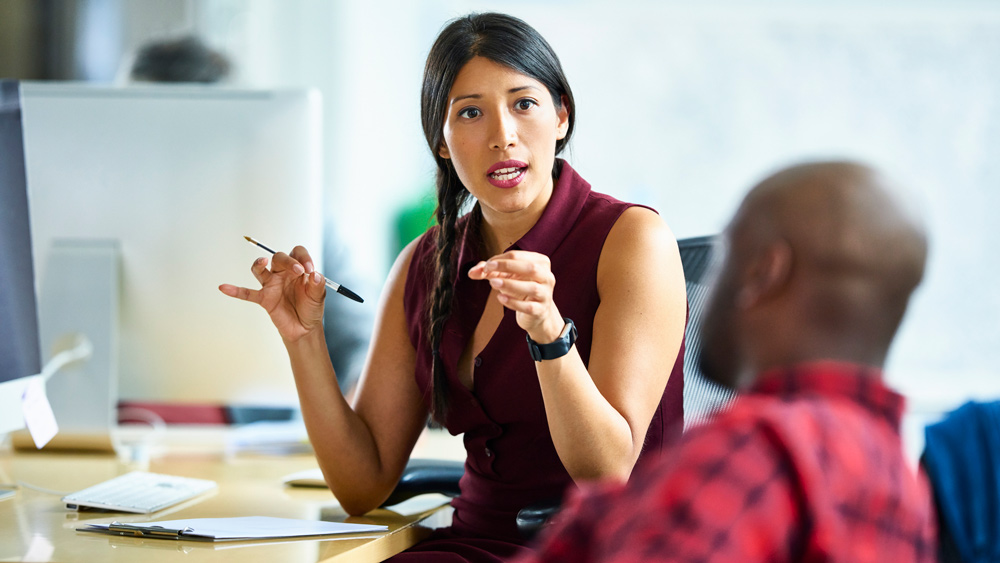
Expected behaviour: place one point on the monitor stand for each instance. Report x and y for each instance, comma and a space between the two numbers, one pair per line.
80, 295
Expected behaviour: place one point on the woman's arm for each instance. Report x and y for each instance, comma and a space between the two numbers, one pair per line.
362, 451
598, 419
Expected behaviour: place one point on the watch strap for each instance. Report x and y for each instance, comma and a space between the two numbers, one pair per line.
556, 349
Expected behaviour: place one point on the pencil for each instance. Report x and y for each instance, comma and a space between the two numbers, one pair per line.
330, 283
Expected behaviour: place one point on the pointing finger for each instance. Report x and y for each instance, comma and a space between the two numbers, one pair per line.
243, 293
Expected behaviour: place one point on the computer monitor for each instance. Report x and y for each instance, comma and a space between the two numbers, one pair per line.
20, 354
176, 175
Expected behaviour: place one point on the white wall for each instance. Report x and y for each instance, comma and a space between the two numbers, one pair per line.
689, 107
683, 105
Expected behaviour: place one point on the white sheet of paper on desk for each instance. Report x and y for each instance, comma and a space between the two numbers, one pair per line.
419, 504
249, 528
38, 416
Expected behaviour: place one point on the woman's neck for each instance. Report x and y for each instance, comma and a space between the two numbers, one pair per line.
500, 230
495, 243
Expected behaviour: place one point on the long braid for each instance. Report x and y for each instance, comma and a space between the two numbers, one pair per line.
451, 197
505, 40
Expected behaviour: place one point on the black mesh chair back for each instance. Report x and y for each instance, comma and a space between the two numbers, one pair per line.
702, 397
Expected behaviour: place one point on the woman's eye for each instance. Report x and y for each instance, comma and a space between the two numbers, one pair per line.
524, 104
469, 113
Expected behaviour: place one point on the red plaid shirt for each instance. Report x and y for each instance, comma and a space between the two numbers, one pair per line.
807, 466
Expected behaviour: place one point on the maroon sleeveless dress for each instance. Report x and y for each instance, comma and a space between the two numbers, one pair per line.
511, 461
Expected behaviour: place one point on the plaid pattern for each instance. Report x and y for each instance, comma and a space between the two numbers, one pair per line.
807, 466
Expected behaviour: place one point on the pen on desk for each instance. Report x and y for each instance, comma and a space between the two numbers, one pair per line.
330, 283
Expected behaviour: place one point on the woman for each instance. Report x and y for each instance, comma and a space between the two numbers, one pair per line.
581, 399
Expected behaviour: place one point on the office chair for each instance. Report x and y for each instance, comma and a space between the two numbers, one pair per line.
702, 398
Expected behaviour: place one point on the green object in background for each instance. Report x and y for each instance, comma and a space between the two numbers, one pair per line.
414, 219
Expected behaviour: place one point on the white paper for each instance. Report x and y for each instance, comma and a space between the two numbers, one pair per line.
38, 416
419, 504
250, 527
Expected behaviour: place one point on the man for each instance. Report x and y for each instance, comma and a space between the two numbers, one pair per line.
808, 464
182, 59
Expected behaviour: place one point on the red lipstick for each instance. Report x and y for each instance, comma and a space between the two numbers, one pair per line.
507, 174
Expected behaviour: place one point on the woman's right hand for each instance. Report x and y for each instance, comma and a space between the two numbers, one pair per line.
292, 292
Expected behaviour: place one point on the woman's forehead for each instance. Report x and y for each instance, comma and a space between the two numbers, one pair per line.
480, 76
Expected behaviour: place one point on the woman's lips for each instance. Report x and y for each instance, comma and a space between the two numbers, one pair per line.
507, 174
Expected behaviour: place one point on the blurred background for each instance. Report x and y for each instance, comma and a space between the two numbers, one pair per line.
681, 106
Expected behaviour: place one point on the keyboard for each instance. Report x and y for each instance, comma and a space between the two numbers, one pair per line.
139, 492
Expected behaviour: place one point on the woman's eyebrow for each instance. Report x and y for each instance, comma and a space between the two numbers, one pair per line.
515, 90
457, 99
522, 88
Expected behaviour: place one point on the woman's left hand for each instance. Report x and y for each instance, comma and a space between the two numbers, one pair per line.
523, 282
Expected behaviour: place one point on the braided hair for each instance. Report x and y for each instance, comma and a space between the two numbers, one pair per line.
505, 40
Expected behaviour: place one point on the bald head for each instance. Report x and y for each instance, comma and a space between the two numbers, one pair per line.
822, 259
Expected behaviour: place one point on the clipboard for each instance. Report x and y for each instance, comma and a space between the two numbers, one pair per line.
150, 531
231, 529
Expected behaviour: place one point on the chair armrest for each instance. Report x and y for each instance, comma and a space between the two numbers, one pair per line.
532, 518
423, 476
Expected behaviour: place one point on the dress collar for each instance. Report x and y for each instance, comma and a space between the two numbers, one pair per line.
569, 194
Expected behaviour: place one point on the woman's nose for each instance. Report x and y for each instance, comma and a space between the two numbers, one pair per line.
504, 131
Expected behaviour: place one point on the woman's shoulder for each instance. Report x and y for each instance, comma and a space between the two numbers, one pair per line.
641, 218
638, 233
639, 226
631, 218
603, 200
416, 260
423, 245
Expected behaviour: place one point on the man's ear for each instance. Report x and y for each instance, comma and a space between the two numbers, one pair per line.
443, 151
766, 276
562, 118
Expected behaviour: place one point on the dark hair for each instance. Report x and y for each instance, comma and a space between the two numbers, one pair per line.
505, 40
185, 59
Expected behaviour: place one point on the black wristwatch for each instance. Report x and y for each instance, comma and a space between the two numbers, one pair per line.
556, 349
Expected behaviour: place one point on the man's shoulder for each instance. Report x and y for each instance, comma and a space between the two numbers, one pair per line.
751, 410
750, 427
760, 424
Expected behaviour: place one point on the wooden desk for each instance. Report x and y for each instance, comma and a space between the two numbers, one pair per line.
35, 526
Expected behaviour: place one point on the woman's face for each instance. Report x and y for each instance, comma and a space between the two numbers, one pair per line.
500, 133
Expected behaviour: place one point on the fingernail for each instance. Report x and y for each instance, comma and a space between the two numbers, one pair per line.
309, 267
490, 266
317, 278
496, 282
298, 269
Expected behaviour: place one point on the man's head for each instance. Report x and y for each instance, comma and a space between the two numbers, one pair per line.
184, 59
819, 262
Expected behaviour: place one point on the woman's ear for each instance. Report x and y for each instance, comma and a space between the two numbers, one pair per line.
443, 151
562, 118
